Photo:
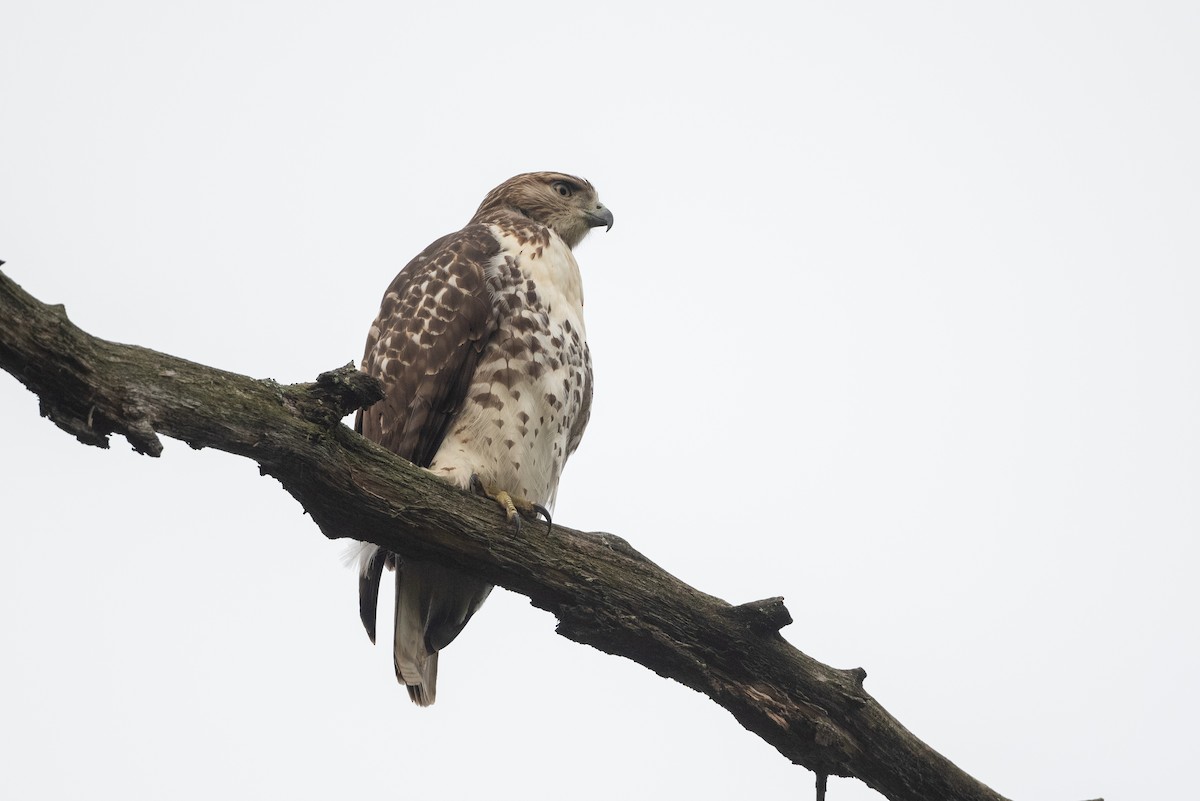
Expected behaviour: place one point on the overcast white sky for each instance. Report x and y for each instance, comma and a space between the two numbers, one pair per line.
898, 319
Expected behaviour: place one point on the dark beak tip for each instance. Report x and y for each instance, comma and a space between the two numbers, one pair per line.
604, 217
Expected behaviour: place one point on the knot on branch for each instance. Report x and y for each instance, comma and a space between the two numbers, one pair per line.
619, 545
141, 434
335, 394
856, 675
768, 614
855, 693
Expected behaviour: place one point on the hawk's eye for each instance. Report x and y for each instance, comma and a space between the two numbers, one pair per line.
561, 188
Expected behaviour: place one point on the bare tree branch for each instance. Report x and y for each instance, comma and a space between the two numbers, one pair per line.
603, 592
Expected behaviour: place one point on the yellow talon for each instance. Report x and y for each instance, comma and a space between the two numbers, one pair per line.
510, 507
515, 507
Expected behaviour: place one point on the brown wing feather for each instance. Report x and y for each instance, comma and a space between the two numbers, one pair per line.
434, 322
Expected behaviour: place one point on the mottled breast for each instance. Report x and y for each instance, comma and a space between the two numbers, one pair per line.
530, 397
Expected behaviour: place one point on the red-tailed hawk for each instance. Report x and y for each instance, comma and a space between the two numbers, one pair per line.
481, 350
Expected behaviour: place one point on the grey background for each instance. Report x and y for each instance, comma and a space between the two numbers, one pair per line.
898, 320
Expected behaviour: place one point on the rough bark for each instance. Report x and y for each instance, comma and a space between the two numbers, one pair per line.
603, 592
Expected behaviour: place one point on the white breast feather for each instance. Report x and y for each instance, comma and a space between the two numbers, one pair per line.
523, 446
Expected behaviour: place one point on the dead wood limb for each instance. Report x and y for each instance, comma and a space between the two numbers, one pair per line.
603, 592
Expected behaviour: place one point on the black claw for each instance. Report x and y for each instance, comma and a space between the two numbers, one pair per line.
477, 485
544, 512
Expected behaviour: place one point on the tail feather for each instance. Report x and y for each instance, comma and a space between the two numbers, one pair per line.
433, 603
372, 559
425, 693
416, 663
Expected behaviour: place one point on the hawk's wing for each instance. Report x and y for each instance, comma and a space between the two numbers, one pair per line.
434, 322
432, 327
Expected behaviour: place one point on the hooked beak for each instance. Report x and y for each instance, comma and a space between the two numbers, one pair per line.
599, 216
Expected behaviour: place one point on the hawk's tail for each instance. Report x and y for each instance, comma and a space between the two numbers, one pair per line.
433, 603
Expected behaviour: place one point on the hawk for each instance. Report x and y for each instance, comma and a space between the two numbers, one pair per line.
481, 349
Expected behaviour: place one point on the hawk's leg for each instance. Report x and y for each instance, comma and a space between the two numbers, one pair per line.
515, 507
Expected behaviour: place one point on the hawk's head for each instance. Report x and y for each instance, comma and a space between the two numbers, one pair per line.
567, 204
